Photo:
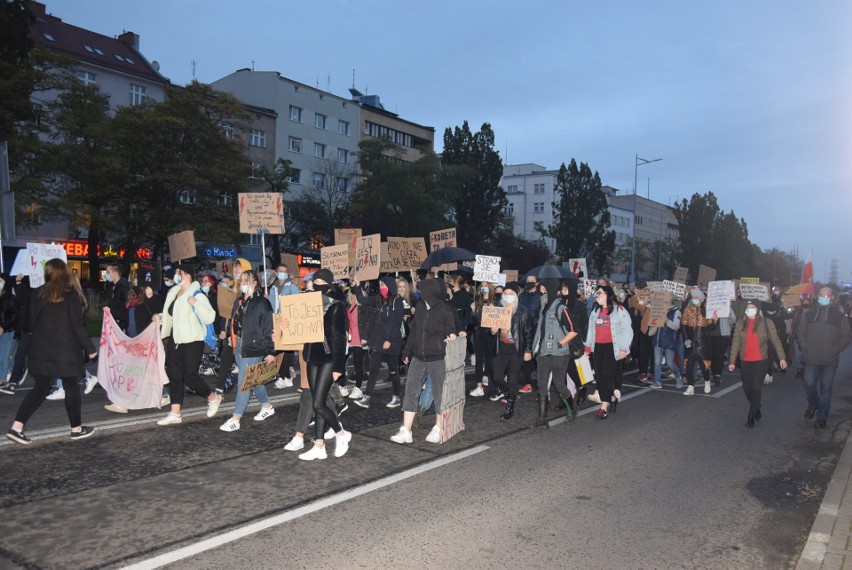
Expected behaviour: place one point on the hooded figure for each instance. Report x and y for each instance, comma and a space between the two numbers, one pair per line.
432, 291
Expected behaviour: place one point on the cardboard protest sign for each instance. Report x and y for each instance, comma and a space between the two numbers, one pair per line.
292, 263
749, 279
496, 317
486, 268
681, 274
451, 415
754, 291
335, 258
661, 302
719, 295
511, 275
299, 321
259, 374
407, 254
443, 238
182, 245
347, 236
368, 251
588, 288
37, 255
705, 275
261, 211
678, 290
148, 274
501, 280
385, 262
655, 286
225, 301
578, 267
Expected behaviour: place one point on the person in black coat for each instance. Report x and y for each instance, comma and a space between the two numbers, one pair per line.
23, 333
9, 317
60, 344
118, 293
513, 347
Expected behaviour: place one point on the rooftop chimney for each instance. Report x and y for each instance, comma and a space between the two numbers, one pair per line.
130, 39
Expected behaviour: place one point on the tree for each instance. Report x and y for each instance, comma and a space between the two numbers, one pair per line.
518, 253
474, 168
581, 217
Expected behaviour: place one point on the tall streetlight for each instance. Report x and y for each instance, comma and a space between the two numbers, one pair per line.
639, 162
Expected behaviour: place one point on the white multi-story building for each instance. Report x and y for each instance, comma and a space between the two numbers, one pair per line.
529, 190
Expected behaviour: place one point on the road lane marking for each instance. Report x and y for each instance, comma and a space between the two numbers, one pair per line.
259, 526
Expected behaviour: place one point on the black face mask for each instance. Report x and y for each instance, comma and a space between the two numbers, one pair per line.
322, 288
532, 286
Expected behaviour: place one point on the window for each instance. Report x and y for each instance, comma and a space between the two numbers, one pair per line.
509, 210
87, 77
295, 176
343, 128
538, 188
226, 199
295, 114
319, 150
227, 129
342, 155
137, 94
256, 170
513, 188
187, 196
342, 183
257, 138
639, 220
91, 49
318, 180
48, 37
295, 144
538, 207
32, 213
319, 121
124, 59
397, 137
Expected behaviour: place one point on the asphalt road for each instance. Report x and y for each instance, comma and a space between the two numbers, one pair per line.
666, 482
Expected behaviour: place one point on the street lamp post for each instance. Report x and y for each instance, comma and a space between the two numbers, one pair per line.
639, 162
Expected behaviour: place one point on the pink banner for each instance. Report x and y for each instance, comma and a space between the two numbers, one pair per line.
132, 370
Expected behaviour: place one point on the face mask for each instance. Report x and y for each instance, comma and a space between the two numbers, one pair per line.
205, 288
107, 277
2, 285
696, 302
484, 291
383, 292
245, 289
178, 279
283, 276
321, 288
223, 284
823, 301
508, 300
169, 283
621, 296
237, 276
751, 313
641, 302
531, 285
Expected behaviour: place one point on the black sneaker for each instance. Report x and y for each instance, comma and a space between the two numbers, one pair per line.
497, 396
85, 431
7, 388
341, 408
18, 437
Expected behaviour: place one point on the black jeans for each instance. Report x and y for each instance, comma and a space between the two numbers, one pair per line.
605, 370
226, 362
320, 379
286, 363
358, 355
558, 366
691, 358
376, 359
507, 372
719, 346
646, 350
20, 364
484, 350
182, 368
752, 374
32, 401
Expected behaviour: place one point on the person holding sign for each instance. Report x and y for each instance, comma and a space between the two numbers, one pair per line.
753, 336
483, 349
665, 341
250, 334
696, 340
186, 314
59, 346
326, 362
284, 285
609, 338
513, 346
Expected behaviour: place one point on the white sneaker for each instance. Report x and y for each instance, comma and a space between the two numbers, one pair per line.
208, 371
230, 425
288, 382
690, 391
434, 435
594, 397
295, 444
344, 391
165, 400
767, 379
116, 409
213, 405
477, 392
329, 433
485, 380
394, 403
356, 394
280, 384
402, 436
341, 444
264, 413
57, 394
170, 419
707, 387
91, 382
617, 395
473, 360
316, 452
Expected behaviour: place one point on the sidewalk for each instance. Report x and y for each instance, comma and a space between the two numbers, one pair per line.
829, 545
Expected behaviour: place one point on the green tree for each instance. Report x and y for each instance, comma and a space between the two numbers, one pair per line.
581, 217
474, 168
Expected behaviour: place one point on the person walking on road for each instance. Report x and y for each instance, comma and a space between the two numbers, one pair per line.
512, 348
60, 344
696, 334
753, 337
823, 334
609, 338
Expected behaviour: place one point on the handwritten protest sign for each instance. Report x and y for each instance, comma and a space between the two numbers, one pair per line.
385, 262
406, 253
486, 268
300, 320
681, 274
131, 370
225, 301
148, 274
261, 211
443, 238
705, 275
368, 251
335, 258
661, 302
259, 374
588, 288
451, 414
496, 317
37, 255
578, 267
511, 275
750, 280
754, 291
719, 295
182, 245
678, 290
348, 236
655, 286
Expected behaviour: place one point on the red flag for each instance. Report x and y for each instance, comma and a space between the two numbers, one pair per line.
808, 269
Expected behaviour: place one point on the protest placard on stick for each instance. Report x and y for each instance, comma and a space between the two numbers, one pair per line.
368, 252
661, 302
443, 238
486, 268
678, 290
37, 255
386, 263
335, 258
578, 267
225, 301
511, 275
407, 254
261, 211
719, 294
259, 374
754, 291
300, 320
705, 275
182, 245
681, 274
750, 280
496, 317
348, 236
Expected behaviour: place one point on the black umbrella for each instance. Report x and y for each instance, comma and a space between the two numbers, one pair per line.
550, 272
447, 255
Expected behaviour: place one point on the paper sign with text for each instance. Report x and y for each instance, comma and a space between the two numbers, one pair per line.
486, 268
182, 245
496, 317
678, 290
754, 291
37, 255
225, 301
661, 302
348, 236
259, 374
261, 211
300, 320
368, 254
511, 275
407, 254
578, 267
749, 279
440, 239
501, 280
386, 264
335, 258
719, 295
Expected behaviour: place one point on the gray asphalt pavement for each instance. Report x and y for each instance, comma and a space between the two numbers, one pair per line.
666, 482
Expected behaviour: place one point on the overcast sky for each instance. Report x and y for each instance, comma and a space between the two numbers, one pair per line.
750, 100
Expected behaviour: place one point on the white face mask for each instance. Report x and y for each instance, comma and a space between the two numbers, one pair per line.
178, 279
751, 313
283, 276
205, 288
169, 283
508, 300
245, 289
696, 301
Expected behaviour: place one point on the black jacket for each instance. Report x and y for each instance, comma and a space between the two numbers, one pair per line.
22, 293
10, 310
429, 328
522, 330
256, 334
118, 302
823, 333
461, 301
387, 322
60, 342
333, 347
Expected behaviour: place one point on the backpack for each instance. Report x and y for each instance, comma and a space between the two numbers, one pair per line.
210, 338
